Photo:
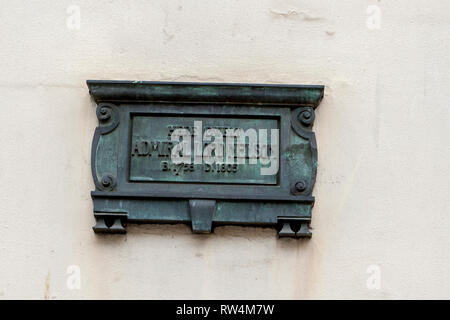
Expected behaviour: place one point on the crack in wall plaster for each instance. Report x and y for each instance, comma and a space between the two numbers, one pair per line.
294, 14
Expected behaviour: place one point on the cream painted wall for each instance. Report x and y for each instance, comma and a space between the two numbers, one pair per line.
382, 192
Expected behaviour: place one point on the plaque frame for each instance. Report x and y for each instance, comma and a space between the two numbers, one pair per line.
286, 206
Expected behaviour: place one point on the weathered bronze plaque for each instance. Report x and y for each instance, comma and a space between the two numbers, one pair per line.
206, 154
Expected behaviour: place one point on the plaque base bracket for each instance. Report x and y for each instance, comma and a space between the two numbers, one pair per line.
107, 222
201, 215
289, 224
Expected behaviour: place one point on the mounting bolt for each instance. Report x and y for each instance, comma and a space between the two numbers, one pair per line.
307, 115
300, 186
106, 182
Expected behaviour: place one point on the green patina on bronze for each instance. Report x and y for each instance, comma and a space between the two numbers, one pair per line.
151, 146
136, 182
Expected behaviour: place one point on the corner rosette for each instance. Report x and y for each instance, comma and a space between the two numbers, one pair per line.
107, 114
108, 182
302, 120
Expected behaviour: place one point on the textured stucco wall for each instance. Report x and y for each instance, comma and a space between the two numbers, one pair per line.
382, 192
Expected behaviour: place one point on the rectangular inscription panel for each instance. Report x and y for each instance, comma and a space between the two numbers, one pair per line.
151, 145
